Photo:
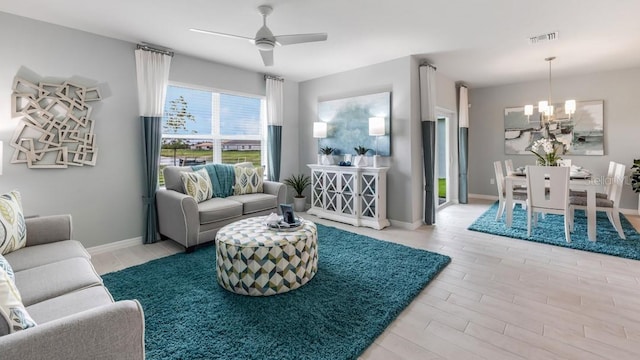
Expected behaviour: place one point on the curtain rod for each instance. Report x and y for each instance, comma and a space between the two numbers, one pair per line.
429, 65
149, 48
273, 77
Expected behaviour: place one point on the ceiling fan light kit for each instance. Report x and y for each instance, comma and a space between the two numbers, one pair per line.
265, 41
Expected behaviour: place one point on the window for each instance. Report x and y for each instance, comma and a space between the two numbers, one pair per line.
203, 126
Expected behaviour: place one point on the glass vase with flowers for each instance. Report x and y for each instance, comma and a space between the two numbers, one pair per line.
546, 152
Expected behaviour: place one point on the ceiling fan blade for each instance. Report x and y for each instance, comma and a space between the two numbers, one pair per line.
221, 34
300, 38
267, 57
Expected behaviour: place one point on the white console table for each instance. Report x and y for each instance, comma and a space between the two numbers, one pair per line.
352, 195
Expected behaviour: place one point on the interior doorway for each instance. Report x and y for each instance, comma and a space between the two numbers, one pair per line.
443, 181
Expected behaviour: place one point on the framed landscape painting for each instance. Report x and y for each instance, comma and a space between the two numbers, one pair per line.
348, 123
582, 133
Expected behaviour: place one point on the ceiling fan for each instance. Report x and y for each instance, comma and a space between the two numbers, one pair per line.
265, 41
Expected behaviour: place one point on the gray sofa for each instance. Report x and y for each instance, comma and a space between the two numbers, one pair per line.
189, 223
76, 316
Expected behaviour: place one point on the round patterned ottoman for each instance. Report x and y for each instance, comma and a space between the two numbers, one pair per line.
252, 259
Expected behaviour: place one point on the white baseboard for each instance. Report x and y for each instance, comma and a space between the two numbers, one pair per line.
122, 244
483, 197
406, 225
629, 211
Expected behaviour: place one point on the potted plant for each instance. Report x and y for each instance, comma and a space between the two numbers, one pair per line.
635, 179
326, 152
360, 160
298, 183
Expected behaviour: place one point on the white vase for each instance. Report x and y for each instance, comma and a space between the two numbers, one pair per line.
327, 159
359, 161
376, 161
319, 159
299, 203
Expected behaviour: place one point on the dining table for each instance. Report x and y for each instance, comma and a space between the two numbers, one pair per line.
583, 181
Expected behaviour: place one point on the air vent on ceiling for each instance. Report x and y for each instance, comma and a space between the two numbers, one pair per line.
543, 38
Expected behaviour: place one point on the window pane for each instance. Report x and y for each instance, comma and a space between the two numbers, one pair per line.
186, 152
239, 115
187, 111
235, 151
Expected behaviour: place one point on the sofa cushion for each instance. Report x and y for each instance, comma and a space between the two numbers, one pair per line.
217, 209
14, 234
14, 317
69, 304
51, 280
197, 184
256, 202
32, 256
248, 180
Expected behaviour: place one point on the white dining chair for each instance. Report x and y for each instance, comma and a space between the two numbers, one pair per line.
519, 197
610, 205
607, 184
508, 166
564, 162
553, 199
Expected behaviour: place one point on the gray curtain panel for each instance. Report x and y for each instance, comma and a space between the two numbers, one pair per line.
428, 151
463, 144
463, 155
152, 141
274, 145
428, 117
152, 75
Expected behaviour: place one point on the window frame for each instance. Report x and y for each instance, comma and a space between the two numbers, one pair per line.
215, 137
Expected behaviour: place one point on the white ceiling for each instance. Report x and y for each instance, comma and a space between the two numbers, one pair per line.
479, 42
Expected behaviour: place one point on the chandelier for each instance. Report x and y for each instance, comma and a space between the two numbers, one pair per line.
545, 107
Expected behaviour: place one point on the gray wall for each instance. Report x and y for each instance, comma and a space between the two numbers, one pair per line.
618, 89
400, 76
105, 200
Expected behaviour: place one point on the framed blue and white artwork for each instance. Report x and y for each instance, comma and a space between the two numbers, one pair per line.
348, 123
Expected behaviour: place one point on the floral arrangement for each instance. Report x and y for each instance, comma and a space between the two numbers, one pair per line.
548, 156
635, 176
326, 150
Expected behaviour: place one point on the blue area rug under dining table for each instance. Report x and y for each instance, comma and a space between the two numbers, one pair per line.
550, 230
362, 284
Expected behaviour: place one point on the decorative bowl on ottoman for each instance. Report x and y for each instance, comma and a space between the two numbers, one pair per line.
252, 259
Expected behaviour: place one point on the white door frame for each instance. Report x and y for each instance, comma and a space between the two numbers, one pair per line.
451, 155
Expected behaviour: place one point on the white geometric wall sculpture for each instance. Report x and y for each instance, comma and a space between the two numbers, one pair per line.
56, 130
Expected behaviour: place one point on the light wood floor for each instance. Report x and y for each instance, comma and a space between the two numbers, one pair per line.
500, 298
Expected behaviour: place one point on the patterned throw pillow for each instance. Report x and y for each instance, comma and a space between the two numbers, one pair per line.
197, 184
11, 307
13, 231
248, 180
4, 265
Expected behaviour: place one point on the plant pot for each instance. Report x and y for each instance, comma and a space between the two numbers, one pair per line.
299, 203
327, 159
359, 161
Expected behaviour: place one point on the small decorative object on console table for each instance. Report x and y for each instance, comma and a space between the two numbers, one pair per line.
327, 158
298, 183
360, 160
356, 196
548, 156
635, 179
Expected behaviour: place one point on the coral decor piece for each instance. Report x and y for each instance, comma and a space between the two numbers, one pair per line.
56, 129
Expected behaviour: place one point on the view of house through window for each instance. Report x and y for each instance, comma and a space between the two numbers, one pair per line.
205, 126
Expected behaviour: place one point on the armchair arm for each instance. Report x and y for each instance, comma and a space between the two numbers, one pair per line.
276, 188
48, 229
178, 217
114, 331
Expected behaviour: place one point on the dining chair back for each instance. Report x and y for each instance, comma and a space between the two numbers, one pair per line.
508, 166
564, 162
548, 192
609, 179
518, 197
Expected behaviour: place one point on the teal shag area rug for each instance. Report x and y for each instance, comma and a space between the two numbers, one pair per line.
362, 284
550, 230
